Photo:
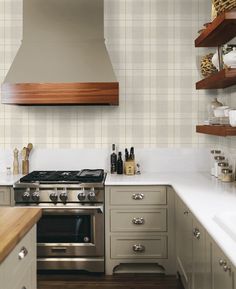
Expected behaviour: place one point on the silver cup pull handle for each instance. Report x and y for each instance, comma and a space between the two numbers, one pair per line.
138, 196
138, 248
23, 252
138, 221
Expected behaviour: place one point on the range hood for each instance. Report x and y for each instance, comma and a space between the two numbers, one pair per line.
63, 58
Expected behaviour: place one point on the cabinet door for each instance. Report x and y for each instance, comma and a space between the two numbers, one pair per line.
222, 275
201, 263
5, 196
184, 243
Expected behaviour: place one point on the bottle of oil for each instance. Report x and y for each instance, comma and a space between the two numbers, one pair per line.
113, 160
120, 164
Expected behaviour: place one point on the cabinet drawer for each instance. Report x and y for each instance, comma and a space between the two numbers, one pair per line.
5, 196
20, 259
138, 248
141, 195
139, 220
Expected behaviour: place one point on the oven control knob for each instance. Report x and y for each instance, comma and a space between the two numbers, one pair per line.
35, 196
53, 197
92, 196
26, 195
63, 197
81, 196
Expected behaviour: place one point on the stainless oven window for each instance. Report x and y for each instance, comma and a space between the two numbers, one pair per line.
60, 228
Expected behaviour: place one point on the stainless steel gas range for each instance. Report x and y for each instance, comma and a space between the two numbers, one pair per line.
70, 234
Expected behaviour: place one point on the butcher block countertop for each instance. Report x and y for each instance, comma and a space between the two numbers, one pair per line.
14, 224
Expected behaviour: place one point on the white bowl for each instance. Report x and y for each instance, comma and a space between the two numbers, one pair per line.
232, 117
220, 111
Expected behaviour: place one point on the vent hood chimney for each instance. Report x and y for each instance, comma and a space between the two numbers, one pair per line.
63, 58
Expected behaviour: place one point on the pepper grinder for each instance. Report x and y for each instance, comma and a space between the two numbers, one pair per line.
16, 162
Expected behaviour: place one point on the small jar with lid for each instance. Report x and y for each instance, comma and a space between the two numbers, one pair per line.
213, 154
218, 159
221, 166
227, 175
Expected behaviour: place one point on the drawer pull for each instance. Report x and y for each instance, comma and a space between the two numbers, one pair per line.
23, 287
138, 196
138, 248
196, 233
58, 250
23, 252
222, 262
227, 268
138, 221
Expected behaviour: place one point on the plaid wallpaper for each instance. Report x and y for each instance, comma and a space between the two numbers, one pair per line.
151, 46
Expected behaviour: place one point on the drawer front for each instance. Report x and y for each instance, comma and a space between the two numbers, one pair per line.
139, 220
141, 195
139, 248
5, 196
20, 259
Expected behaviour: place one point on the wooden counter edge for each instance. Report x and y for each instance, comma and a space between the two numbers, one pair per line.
33, 214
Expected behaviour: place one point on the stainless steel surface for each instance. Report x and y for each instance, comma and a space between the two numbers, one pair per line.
88, 264
23, 253
55, 193
138, 221
83, 245
138, 248
138, 196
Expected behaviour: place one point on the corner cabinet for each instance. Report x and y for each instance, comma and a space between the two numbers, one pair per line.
201, 264
139, 229
18, 270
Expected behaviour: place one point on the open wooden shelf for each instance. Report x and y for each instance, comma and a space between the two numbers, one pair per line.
219, 130
220, 31
221, 79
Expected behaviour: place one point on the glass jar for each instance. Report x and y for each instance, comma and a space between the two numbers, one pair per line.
213, 154
221, 166
217, 159
227, 175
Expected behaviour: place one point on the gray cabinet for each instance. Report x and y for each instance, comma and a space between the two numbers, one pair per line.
201, 278
200, 262
18, 270
139, 228
184, 243
222, 270
5, 196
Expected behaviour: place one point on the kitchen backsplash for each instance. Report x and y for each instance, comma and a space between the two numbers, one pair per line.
151, 46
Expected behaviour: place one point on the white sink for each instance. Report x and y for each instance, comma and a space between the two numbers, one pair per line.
227, 221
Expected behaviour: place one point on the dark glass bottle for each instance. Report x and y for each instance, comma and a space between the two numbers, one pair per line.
113, 160
119, 164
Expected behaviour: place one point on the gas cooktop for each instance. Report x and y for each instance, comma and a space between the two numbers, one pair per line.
70, 177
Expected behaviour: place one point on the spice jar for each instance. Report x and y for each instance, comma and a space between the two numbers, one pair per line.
221, 166
213, 154
227, 175
217, 159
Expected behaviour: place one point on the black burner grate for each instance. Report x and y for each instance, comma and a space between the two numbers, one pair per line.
50, 177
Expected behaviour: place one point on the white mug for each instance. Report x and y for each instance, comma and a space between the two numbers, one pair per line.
232, 117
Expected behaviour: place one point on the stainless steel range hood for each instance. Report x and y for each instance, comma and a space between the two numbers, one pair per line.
63, 58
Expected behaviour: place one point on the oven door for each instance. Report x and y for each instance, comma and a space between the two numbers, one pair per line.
71, 232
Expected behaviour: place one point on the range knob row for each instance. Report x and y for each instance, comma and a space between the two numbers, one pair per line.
54, 196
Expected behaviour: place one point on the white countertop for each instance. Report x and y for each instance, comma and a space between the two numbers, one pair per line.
8, 180
204, 195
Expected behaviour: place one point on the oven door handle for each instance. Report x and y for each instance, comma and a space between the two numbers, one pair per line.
72, 210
